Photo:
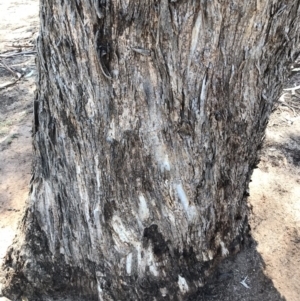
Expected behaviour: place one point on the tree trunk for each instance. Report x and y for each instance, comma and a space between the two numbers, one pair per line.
148, 118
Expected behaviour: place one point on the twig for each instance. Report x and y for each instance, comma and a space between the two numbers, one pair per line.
6, 85
283, 103
20, 46
244, 283
292, 89
17, 53
9, 69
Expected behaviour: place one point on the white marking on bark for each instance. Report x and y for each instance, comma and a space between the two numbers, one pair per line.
205, 257
48, 196
141, 51
100, 281
203, 97
90, 108
153, 270
195, 34
97, 172
233, 72
123, 234
129, 263
166, 164
139, 258
120, 229
162, 156
115, 73
183, 286
97, 214
150, 262
210, 254
111, 134
224, 250
195, 107
195, 38
190, 210
143, 208
98, 9
218, 241
163, 291
83, 196
100, 292
182, 196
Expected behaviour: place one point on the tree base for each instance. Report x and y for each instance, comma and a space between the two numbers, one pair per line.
33, 273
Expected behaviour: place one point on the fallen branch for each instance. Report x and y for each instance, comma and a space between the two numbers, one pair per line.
17, 53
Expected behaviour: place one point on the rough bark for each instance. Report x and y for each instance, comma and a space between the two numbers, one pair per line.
148, 118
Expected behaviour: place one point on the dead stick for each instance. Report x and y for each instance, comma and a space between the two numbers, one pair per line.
6, 85
17, 53
20, 46
292, 88
9, 69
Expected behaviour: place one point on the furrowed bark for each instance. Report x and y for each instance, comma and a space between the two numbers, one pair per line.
148, 118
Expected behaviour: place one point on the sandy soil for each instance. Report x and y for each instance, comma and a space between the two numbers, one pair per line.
269, 264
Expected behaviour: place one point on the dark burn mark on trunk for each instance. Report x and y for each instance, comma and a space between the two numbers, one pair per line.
44, 161
66, 120
109, 208
36, 116
186, 264
130, 162
151, 234
52, 130
149, 286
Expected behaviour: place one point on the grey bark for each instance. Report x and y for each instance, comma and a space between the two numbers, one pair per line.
148, 118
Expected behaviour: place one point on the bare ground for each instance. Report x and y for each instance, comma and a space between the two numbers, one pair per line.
270, 261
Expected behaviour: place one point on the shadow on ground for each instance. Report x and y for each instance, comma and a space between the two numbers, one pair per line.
225, 284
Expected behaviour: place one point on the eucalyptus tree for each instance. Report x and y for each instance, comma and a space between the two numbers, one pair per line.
147, 120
